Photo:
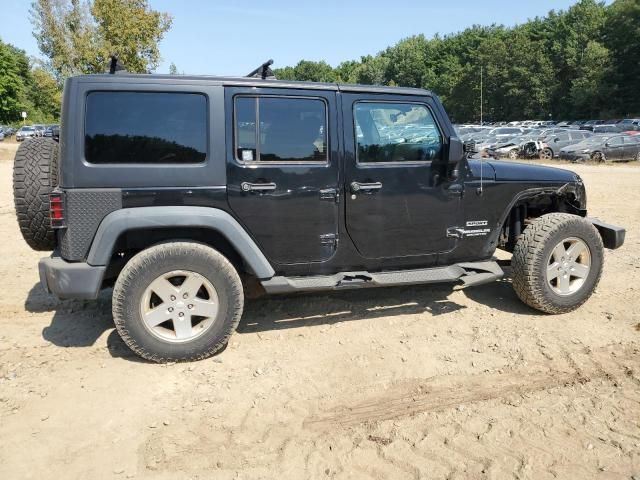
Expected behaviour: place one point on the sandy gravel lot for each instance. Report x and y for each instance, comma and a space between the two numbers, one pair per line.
420, 382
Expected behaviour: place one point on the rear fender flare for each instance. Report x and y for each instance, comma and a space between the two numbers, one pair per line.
121, 221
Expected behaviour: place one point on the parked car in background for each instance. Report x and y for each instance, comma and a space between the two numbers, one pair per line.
25, 132
557, 141
604, 148
39, 130
1, 135
588, 125
51, 131
607, 128
629, 123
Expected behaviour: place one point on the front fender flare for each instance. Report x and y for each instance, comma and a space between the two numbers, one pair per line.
120, 221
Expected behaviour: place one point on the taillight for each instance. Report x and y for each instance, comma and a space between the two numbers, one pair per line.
56, 209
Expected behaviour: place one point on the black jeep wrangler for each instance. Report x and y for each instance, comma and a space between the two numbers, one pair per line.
179, 191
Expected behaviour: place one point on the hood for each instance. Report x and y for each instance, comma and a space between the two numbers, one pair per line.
522, 172
509, 171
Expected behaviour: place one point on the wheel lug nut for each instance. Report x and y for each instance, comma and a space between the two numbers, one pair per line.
181, 314
190, 306
173, 297
185, 295
171, 309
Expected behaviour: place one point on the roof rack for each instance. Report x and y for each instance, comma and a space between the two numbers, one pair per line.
263, 71
115, 66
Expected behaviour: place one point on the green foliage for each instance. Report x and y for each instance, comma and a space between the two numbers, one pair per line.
25, 88
77, 36
622, 37
580, 63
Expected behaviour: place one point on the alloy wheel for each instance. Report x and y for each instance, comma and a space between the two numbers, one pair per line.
568, 266
179, 306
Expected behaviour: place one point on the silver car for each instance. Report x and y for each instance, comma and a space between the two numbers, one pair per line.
25, 132
559, 141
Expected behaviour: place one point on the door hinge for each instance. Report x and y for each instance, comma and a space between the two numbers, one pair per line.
329, 239
329, 194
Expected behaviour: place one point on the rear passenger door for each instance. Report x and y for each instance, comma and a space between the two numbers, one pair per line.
282, 170
631, 147
614, 148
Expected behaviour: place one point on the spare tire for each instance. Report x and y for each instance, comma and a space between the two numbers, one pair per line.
35, 175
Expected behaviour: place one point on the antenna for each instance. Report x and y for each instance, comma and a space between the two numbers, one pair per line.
263, 71
480, 190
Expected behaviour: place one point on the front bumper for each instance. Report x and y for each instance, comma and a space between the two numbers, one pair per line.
612, 235
70, 279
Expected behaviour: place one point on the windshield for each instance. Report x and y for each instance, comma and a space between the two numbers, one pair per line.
27, 129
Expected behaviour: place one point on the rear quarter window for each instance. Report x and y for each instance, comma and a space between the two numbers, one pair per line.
145, 128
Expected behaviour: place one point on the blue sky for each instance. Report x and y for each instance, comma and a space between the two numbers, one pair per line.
226, 37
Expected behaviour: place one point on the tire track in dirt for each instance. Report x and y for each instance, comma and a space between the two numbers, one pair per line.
440, 393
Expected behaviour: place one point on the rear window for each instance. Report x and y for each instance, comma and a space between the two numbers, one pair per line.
145, 128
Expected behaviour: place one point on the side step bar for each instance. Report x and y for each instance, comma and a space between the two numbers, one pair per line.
475, 273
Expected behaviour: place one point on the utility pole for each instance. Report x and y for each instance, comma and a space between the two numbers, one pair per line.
481, 75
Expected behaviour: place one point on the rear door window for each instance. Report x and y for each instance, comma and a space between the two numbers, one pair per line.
280, 130
145, 128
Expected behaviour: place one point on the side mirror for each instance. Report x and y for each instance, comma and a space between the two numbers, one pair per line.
607, 144
556, 140
456, 150
469, 146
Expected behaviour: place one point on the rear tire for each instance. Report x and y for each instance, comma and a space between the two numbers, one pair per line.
557, 263
35, 175
177, 301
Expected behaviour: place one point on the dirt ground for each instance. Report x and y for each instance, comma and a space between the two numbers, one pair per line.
420, 382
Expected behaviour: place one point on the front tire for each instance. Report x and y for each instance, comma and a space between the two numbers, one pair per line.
177, 301
546, 154
557, 263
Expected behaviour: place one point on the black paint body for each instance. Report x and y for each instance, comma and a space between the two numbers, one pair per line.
313, 223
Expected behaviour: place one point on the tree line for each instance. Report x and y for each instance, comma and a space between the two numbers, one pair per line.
580, 63
76, 37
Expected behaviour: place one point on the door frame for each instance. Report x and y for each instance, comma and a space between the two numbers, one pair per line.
333, 162
351, 166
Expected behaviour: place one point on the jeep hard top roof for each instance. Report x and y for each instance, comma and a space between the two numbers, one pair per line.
141, 78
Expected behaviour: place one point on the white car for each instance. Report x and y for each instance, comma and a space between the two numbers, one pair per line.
25, 132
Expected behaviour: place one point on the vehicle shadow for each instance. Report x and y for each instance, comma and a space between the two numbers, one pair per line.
328, 308
80, 323
500, 296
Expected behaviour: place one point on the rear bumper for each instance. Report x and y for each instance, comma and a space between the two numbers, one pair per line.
612, 235
70, 280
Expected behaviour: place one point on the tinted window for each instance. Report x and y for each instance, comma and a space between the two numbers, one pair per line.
136, 127
275, 129
395, 132
615, 141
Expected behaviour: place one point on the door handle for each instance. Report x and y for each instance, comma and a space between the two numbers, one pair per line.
257, 187
365, 187
456, 190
